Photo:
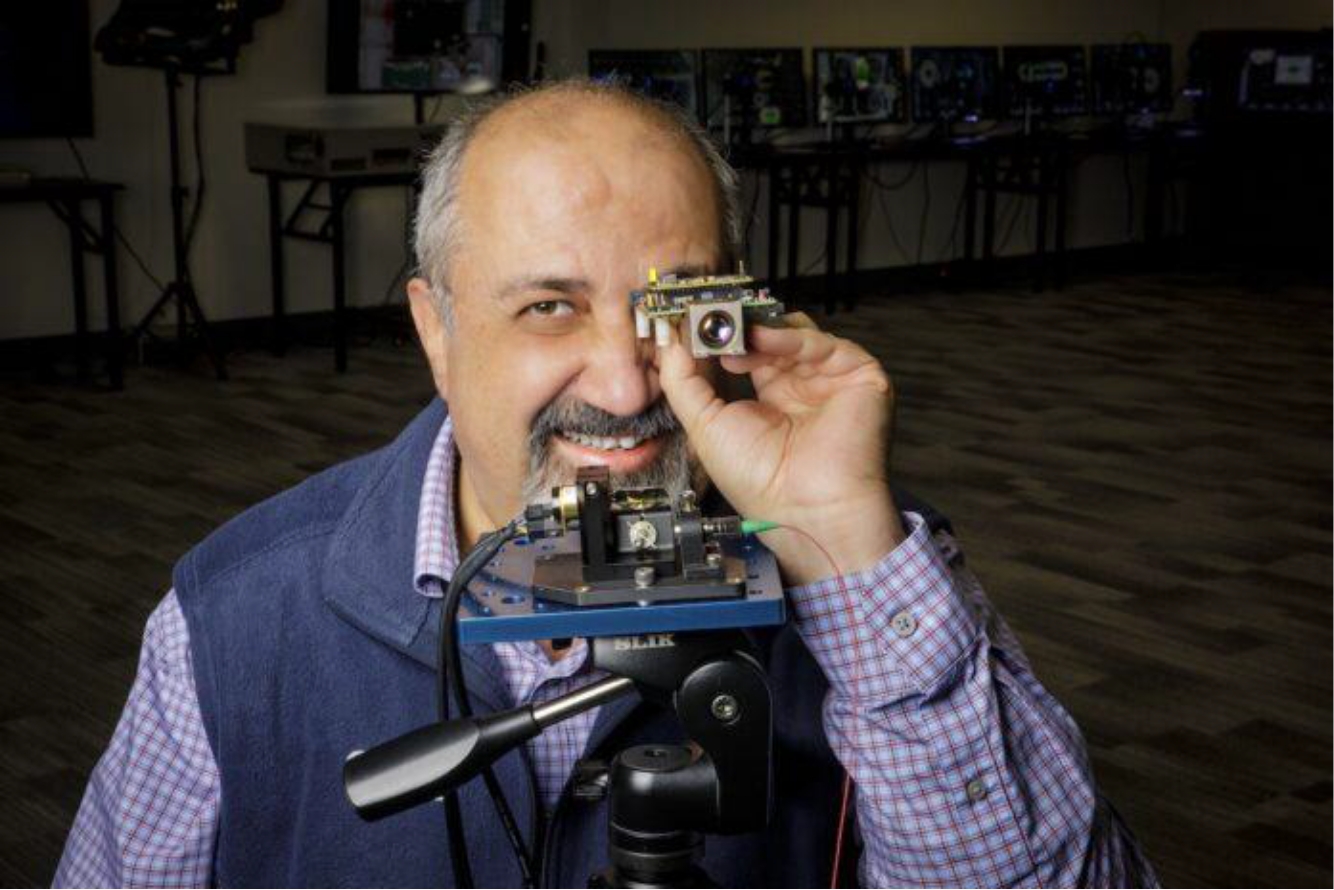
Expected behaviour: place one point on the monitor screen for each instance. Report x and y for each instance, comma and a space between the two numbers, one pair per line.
1132, 78
666, 74
754, 88
416, 46
1286, 76
860, 86
954, 83
1045, 81
45, 69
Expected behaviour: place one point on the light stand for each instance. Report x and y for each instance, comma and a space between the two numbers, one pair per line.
180, 288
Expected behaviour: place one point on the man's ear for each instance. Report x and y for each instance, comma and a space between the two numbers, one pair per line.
432, 332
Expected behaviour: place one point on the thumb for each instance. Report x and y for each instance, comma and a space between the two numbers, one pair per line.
691, 395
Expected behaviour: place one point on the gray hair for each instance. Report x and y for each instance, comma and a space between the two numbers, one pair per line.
437, 227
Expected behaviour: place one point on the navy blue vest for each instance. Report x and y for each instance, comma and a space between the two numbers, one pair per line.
309, 642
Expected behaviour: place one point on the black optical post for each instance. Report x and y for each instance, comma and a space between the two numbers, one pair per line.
189, 314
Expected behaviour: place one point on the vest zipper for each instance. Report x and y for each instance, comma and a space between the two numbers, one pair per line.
544, 859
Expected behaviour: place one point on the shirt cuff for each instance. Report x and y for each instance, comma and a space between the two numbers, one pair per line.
895, 629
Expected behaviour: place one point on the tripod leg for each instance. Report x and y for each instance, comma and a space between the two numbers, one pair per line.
142, 328
188, 301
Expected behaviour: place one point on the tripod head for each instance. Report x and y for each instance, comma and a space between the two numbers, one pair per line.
663, 797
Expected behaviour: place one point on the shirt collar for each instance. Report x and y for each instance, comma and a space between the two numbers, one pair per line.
437, 546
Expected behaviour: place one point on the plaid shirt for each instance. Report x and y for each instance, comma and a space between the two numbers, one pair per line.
968, 772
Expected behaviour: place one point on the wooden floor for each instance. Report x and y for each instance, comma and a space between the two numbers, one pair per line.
1139, 469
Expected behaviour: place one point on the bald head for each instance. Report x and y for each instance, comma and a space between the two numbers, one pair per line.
574, 141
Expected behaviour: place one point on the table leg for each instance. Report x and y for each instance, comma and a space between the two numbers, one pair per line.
854, 233
74, 221
1043, 190
114, 348
988, 216
833, 207
775, 209
337, 199
969, 211
1062, 180
279, 324
793, 196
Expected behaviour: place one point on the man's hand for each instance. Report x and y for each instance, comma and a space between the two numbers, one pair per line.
809, 452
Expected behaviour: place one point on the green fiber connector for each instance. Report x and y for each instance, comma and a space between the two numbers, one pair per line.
755, 526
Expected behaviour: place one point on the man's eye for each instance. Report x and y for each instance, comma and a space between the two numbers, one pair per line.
549, 308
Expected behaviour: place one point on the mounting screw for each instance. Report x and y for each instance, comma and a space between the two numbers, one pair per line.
725, 708
591, 489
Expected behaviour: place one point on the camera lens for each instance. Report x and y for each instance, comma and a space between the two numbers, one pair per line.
716, 329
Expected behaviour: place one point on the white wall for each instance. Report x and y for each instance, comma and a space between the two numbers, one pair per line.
281, 77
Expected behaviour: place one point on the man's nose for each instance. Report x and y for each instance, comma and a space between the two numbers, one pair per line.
619, 375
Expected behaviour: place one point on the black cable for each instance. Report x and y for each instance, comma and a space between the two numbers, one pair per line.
894, 186
883, 188
889, 226
450, 684
119, 235
750, 214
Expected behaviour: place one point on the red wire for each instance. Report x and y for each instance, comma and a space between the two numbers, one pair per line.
842, 824
847, 775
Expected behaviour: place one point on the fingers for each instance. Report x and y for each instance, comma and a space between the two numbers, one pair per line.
689, 392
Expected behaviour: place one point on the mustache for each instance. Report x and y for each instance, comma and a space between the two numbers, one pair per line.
581, 417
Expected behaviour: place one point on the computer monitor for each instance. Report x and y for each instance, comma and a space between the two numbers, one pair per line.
45, 69
671, 75
952, 84
426, 46
751, 88
1286, 75
1045, 81
860, 86
1132, 78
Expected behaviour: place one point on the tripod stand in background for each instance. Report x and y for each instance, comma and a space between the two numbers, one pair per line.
200, 38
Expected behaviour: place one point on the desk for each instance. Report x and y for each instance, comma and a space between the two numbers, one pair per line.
66, 197
829, 176
330, 230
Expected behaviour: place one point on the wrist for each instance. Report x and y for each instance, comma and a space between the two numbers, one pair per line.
851, 538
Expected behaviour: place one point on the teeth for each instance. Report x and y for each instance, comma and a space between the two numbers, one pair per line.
602, 443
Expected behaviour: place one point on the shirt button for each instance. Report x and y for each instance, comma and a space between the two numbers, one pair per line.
903, 624
977, 790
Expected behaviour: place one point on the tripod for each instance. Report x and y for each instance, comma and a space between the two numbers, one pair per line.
180, 288
662, 798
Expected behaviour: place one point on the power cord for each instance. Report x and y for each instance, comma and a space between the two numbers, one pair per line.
450, 684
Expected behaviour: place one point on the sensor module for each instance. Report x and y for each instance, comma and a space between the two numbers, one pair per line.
717, 307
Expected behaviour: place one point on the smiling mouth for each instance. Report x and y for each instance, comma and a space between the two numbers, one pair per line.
603, 443
622, 454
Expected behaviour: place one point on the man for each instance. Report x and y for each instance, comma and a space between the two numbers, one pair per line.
305, 628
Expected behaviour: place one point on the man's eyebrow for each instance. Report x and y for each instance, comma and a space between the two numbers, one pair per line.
550, 283
562, 285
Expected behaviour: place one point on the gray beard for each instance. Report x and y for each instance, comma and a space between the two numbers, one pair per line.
674, 469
